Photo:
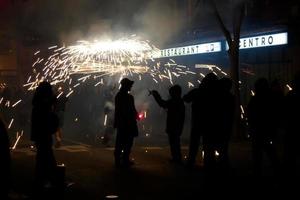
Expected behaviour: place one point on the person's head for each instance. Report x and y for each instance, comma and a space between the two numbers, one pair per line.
43, 94
261, 86
126, 84
44, 89
175, 92
276, 86
209, 80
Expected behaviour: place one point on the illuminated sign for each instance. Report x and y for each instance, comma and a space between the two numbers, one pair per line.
263, 41
190, 50
245, 43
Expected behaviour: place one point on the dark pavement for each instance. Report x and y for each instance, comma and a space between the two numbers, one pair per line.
92, 171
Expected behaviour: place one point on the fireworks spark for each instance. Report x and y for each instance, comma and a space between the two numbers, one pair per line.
126, 56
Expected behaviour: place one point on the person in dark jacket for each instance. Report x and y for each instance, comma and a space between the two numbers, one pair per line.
261, 123
175, 119
203, 101
44, 124
125, 123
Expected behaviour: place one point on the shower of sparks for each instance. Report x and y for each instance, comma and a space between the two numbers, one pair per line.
103, 58
98, 59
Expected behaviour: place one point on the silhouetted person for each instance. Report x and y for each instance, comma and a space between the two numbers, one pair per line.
175, 119
210, 115
125, 123
203, 105
5, 161
292, 126
225, 120
261, 122
44, 124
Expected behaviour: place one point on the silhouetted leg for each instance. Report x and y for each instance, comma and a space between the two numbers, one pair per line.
45, 164
271, 153
290, 156
127, 149
209, 155
118, 148
193, 147
174, 140
257, 156
223, 154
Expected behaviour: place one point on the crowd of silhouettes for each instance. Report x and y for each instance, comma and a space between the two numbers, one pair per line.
212, 118
269, 112
213, 108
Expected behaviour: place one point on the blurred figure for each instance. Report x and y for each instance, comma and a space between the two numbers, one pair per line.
59, 109
108, 123
292, 128
108, 115
44, 124
125, 123
261, 123
226, 114
175, 119
5, 161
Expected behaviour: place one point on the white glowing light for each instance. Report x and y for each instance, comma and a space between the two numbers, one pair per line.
11, 121
217, 153
16, 103
105, 120
18, 139
289, 87
242, 109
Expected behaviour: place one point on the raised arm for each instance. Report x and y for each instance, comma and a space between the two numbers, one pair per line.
162, 103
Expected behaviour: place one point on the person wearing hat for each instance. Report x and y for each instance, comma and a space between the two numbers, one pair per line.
125, 123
